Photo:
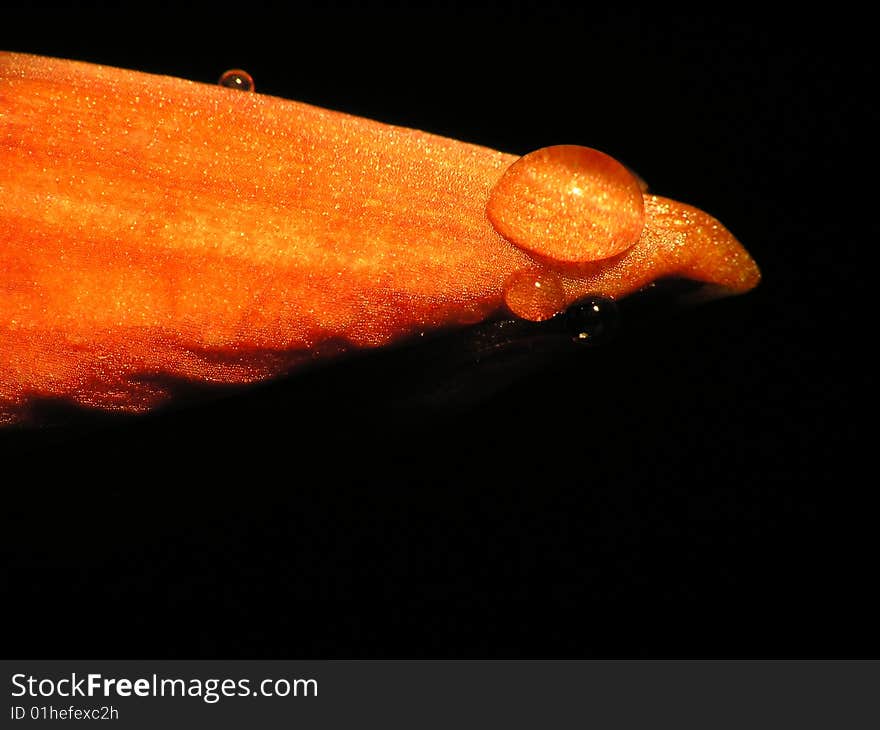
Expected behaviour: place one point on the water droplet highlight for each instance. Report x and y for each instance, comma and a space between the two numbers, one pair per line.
568, 203
592, 320
534, 295
235, 78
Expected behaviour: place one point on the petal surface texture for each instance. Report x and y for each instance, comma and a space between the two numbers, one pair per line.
155, 230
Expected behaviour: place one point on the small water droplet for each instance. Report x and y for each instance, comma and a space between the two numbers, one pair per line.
235, 78
592, 320
534, 295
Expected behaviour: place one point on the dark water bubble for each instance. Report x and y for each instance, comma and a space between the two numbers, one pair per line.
592, 320
235, 78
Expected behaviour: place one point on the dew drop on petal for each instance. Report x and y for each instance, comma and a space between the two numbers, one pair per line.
534, 295
569, 204
235, 78
592, 319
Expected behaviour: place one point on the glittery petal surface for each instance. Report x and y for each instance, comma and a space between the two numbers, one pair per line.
153, 229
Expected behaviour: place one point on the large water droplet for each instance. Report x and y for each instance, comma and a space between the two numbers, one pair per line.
592, 320
534, 295
568, 203
235, 78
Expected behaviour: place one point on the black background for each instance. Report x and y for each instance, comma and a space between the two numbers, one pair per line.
694, 488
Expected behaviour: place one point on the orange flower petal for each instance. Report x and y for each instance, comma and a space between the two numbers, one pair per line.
155, 230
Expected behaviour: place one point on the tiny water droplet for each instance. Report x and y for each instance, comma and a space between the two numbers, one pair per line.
592, 320
534, 295
235, 78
